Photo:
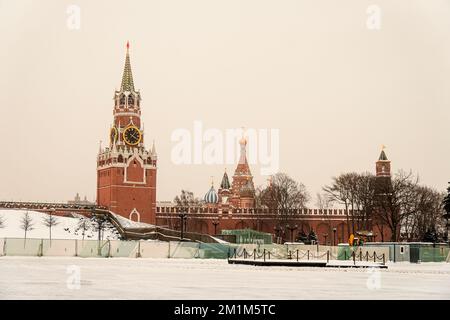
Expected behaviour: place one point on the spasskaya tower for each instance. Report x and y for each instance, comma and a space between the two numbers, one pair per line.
126, 171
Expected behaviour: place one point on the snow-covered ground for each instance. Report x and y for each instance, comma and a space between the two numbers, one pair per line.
65, 229
123, 278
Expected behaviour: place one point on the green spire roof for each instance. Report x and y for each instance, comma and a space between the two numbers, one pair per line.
225, 182
382, 155
127, 78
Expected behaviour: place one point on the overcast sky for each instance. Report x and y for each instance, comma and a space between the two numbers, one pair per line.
334, 88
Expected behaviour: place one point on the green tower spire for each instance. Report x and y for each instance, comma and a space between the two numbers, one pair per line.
127, 78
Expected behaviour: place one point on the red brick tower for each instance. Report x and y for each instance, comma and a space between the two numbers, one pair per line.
383, 188
126, 171
243, 189
383, 165
224, 193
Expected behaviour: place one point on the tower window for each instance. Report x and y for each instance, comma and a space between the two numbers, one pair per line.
130, 100
122, 100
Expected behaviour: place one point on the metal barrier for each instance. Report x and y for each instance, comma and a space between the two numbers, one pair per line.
268, 255
176, 249
367, 256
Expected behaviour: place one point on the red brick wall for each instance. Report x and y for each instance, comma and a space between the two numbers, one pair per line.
135, 172
122, 198
310, 219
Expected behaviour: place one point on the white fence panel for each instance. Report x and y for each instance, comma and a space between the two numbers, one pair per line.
124, 249
150, 249
22, 247
59, 247
92, 248
186, 250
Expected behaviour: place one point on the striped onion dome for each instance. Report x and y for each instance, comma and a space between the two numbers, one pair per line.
211, 196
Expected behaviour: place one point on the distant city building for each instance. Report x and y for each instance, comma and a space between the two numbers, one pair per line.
77, 201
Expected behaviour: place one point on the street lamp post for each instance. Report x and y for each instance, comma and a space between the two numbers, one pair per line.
334, 236
325, 236
183, 217
215, 224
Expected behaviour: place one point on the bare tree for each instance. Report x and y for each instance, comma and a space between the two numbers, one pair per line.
266, 198
394, 201
84, 224
50, 221
99, 223
365, 200
446, 201
284, 195
323, 201
426, 215
398, 203
446, 205
259, 201
185, 201
340, 192
356, 191
26, 224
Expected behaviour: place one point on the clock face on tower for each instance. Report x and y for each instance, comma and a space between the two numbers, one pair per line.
132, 136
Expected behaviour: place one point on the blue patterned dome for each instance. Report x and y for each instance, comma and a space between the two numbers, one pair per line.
211, 196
